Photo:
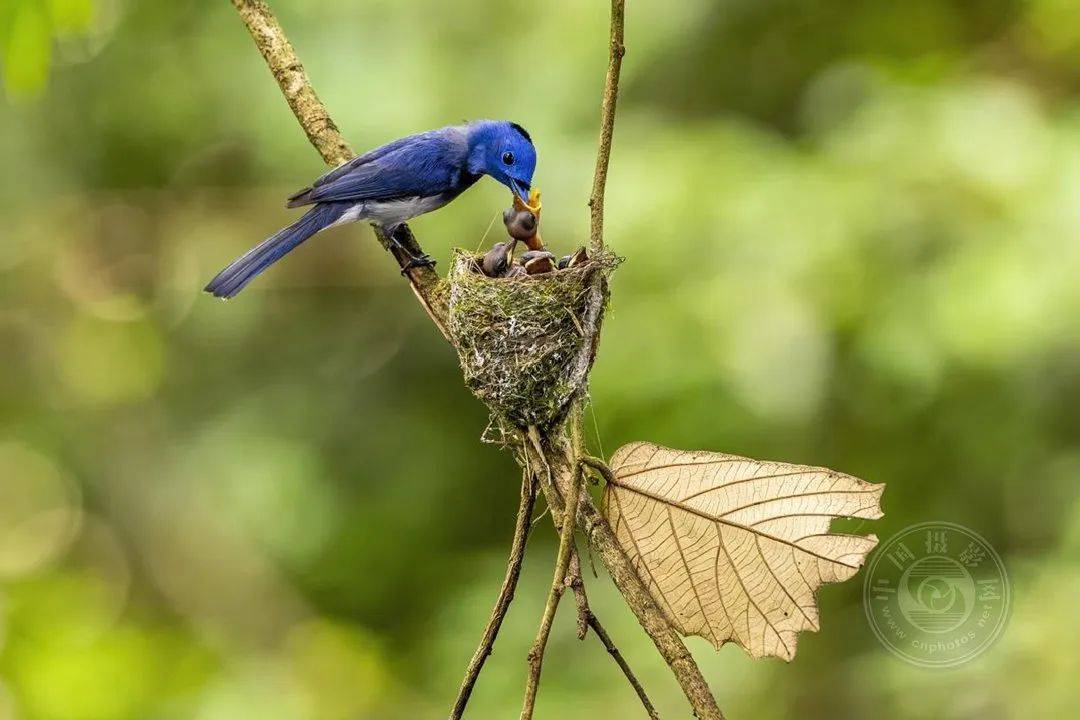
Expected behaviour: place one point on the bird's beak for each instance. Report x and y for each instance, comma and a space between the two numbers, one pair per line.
521, 189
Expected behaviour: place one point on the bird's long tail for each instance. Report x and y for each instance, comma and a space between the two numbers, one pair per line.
240, 272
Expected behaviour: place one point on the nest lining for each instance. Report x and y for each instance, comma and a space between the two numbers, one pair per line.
525, 343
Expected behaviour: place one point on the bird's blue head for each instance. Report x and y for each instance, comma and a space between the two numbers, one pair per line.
504, 151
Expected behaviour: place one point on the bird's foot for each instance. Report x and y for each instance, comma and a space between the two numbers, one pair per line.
417, 261
402, 243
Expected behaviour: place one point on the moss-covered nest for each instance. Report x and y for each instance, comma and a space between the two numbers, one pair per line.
526, 344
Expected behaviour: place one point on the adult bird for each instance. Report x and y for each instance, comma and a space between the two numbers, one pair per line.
393, 184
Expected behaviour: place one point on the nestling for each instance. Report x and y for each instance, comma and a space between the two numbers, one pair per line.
393, 184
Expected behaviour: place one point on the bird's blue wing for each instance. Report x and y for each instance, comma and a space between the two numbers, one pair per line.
424, 164
359, 160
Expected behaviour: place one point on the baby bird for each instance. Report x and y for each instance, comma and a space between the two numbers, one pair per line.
393, 184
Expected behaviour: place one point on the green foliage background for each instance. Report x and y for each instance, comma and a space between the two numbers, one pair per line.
852, 234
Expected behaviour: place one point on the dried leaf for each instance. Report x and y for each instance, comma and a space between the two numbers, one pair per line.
733, 549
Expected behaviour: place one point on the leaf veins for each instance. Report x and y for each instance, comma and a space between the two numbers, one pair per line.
734, 549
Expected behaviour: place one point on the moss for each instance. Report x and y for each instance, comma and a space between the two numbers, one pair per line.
520, 339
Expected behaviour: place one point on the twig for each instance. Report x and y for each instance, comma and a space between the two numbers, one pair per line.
423, 280
587, 619
607, 126
268, 35
576, 583
599, 631
278, 53
558, 585
506, 594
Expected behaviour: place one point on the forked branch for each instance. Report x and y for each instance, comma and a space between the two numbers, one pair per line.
560, 460
324, 136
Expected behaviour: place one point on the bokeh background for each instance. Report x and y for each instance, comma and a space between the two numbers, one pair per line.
852, 238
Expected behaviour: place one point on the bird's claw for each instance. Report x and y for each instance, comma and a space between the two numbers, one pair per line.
415, 262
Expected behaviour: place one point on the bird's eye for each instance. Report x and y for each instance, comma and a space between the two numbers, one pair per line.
508, 158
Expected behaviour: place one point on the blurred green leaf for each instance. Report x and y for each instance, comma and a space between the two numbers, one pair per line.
71, 16
28, 50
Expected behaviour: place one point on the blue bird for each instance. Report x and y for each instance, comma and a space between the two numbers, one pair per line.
393, 184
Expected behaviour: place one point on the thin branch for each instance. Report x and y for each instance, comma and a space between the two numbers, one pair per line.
558, 585
599, 631
506, 594
607, 126
587, 619
293, 81
576, 583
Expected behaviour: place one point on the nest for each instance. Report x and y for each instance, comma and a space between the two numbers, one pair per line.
526, 344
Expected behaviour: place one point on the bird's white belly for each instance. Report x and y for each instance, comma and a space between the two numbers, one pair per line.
389, 213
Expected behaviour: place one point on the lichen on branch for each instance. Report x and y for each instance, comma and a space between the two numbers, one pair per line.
280, 57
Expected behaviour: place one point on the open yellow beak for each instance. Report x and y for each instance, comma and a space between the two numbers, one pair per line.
534, 203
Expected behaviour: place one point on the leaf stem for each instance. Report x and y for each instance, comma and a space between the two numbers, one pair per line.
601, 467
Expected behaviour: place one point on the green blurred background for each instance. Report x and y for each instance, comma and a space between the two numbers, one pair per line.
852, 233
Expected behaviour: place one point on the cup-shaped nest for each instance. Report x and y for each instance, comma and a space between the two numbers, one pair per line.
526, 343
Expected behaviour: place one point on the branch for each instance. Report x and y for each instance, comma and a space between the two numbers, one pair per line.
599, 631
506, 594
423, 280
587, 619
293, 81
607, 126
323, 134
576, 583
558, 585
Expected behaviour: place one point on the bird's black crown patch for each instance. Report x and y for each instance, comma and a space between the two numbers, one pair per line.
523, 131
